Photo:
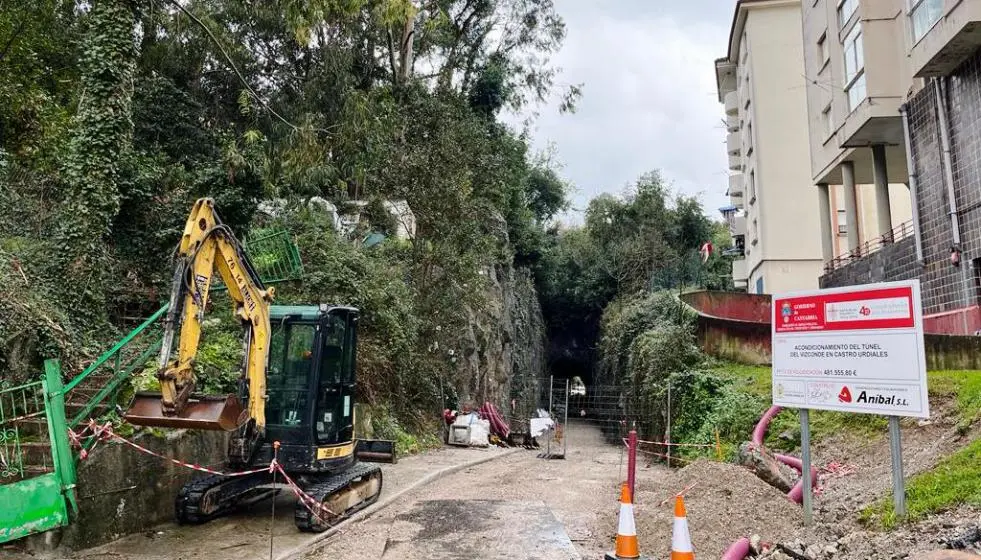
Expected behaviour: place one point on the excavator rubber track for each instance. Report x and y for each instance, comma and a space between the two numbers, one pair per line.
334, 486
206, 498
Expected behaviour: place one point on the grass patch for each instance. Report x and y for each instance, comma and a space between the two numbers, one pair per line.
953, 482
964, 385
754, 380
784, 432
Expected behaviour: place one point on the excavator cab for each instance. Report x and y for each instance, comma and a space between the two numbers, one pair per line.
310, 378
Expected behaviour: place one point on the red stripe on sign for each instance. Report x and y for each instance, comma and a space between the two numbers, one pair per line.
884, 308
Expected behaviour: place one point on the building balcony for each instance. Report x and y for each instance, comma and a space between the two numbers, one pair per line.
733, 144
948, 33
738, 226
738, 200
740, 272
736, 184
735, 163
732, 104
732, 124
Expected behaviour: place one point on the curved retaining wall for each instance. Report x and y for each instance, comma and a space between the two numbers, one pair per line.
736, 326
732, 325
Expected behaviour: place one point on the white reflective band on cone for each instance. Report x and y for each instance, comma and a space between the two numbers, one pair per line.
626, 526
680, 539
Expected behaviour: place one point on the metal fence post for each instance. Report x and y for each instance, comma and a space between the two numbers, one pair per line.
61, 453
631, 461
565, 423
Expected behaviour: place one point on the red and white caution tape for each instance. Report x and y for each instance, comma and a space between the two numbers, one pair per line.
104, 432
669, 444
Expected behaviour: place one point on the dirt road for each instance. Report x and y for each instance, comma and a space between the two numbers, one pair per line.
514, 508
556, 509
245, 534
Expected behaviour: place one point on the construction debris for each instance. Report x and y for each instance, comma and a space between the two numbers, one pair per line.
762, 462
724, 502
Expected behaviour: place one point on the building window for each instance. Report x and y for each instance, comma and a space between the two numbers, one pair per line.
749, 139
756, 232
854, 67
842, 223
923, 14
823, 53
759, 285
752, 187
856, 92
828, 121
846, 8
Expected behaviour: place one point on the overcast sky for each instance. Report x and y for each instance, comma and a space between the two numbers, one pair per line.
649, 99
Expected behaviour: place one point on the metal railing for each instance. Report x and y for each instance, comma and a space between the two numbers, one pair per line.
897, 233
117, 364
275, 257
23, 402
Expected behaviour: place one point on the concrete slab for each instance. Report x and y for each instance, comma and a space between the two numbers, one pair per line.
479, 529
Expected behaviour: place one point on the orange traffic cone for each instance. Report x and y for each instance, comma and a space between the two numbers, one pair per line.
626, 546
681, 548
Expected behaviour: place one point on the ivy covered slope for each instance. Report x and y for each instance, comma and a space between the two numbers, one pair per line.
115, 116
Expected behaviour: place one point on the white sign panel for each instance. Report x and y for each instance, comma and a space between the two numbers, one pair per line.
854, 349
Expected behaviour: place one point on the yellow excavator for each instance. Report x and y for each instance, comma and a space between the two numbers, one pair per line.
297, 388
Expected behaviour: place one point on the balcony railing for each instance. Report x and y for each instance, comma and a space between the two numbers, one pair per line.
902, 231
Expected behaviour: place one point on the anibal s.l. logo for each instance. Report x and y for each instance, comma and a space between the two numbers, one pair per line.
845, 395
892, 400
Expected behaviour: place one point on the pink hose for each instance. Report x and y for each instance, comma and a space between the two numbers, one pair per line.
740, 549
759, 433
737, 550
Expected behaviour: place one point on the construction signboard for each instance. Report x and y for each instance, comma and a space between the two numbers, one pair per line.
853, 349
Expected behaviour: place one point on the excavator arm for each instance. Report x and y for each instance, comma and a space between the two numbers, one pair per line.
208, 245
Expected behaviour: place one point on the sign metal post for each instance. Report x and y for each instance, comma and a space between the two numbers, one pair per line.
896, 450
805, 459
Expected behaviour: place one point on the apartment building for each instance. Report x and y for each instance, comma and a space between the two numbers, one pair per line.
920, 73
856, 81
760, 82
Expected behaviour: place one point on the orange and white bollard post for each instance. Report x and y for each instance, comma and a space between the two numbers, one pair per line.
681, 548
626, 544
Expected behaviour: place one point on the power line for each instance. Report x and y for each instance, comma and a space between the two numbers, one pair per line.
238, 73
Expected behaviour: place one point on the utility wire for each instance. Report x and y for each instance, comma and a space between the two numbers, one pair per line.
238, 73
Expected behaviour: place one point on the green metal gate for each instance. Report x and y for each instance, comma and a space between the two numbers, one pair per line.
37, 471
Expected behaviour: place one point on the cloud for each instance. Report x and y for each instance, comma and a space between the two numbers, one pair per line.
649, 99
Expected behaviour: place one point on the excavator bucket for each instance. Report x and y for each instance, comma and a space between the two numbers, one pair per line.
376, 451
201, 413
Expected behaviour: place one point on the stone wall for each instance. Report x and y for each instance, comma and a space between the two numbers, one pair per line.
894, 261
123, 491
504, 353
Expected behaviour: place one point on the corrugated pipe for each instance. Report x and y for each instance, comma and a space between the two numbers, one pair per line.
737, 550
740, 549
796, 493
913, 186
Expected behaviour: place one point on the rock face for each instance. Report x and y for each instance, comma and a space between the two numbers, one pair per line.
504, 346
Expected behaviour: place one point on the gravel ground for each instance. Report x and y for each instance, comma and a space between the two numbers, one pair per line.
244, 535
726, 502
581, 492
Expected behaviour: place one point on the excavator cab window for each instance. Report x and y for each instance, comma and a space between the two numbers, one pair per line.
291, 356
334, 413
